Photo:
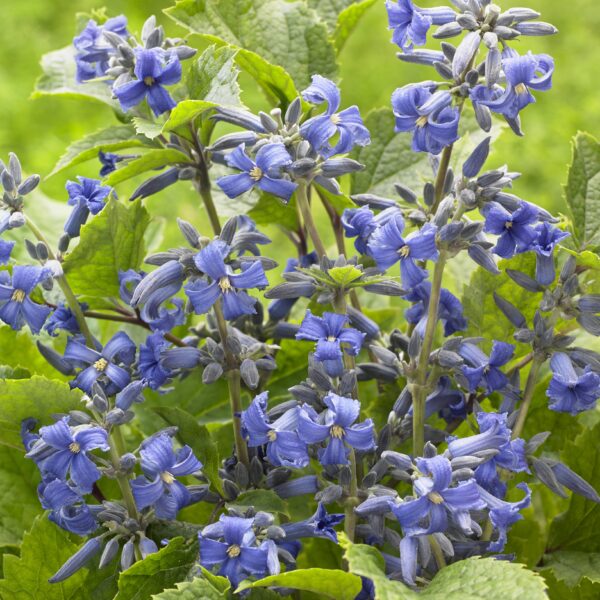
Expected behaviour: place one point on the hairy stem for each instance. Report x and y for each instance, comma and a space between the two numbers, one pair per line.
307, 218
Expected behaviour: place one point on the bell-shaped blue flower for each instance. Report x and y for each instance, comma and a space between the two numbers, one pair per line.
388, 246
16, 306
543, 246
332, 337
236, 552
154, 69
6, 249
360, 223
428, 115
87, 196
264, 173
347, 125
101, 363
63, 319
321, 524
109, 161
158, 487
67, 508
570, 391
515, 229
69, 455
224, 284
483, 370
336, 427
149, 362
284, 446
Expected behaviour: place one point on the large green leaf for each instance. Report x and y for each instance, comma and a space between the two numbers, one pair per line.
287, 34
109, 139
158, 571
583, 189
193, 590
112, 241
37, 397
58, 79
571, 568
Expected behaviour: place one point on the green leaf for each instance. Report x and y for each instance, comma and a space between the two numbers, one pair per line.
110, 242
583, 189
37, 397
269, 210
288, 34
198, 438
149, 129
109, 139
327, 583
586, 589
58, 79
265, 500
576, 529
587, 258
193, 590
154, 159
158, 571
44, 550
345, 275
570, 566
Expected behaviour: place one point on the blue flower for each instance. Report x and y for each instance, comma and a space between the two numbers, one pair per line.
284, 447
87, 196
5, 251
483, 369
63, 319
158, 486
543, 246
387, 247
428, 114
515, 229
265, 172
347, 124
67, 508
321, 524
361, 222
330, 333
570, 391
448, 402
411, 23
109, 161
237, 555
531, 71
435, 500
154, 69
225, 285
335, 426
100, 363
69, 454
16, 307
149, 363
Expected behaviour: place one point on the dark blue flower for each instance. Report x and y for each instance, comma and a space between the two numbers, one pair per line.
515, 229
154, 69
448, 402
428, 115
224, 284
543, 246
102, 362
5, 251
149, 363
347, 124
570, 391
330, 332
16, 307
109, 161
87, 196
63, 319
67, 508
69, 454
361, 222
523, 73
387, 247
411, 23
158, 486
335, 426
481, 369
237, 555
265, 172
284, 447
321, 524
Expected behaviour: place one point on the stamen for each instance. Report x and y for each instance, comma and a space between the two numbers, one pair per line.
74, 447
100, 365
404, 251
337, 432
149, 80
225, 284
335, 119
421, 121
435, 497
167, 477
255, 173
272, 435
521, 88
508, 225
18, 296
233, 551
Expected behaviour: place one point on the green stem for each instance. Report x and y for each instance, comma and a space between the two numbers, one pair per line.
307, 218
527, 397
441, 176
117, 449
436, 550
352, 500
213, 217
336, 225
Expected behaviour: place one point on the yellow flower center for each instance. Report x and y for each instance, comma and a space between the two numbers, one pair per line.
149, 80
335, 119
18, 296
435, 497
100, 365
256, 173
74, 447
404, 251
508, 224
225, 284
167, 477
337, 432
233, 551
421, 121
521, 88
272, 435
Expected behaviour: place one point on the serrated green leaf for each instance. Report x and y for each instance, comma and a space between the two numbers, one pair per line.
559, 590
158, 571
192, 590
198, 438
109, 139
44, 550
147, 128
570, 566
269, 210
154, 159
345, 275
110, 242
38, 397
265, 500
327, 583
583, 189
287, 34
58, 79
587, 258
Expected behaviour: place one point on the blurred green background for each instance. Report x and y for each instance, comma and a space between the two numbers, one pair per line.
39, 130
